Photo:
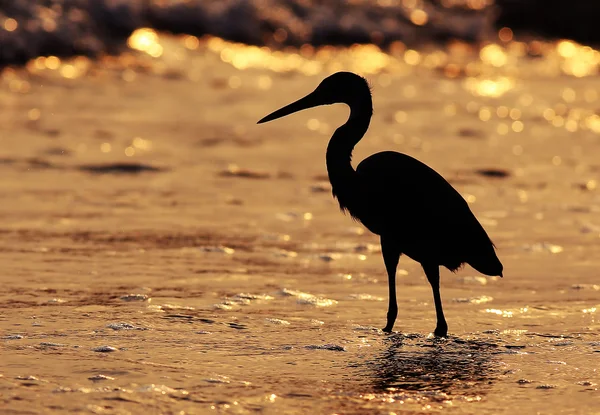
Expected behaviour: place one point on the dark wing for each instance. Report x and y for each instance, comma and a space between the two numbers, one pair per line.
402, 188
411, 201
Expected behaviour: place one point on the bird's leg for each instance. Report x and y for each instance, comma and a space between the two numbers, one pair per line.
391, 256
433, 275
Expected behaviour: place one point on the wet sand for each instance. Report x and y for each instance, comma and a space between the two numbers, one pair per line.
162, 253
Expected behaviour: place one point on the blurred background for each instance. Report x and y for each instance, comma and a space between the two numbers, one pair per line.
161, 251
79, 27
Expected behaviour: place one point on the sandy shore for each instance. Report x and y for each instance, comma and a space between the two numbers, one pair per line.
162, 253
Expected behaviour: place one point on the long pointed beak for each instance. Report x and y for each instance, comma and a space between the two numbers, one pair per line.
309, 101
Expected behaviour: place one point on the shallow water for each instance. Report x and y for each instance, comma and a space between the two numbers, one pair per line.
162, 253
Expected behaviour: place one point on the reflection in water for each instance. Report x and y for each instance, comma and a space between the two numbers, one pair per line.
453, 366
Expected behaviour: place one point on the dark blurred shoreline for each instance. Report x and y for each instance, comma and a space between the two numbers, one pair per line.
93, 27
555, 19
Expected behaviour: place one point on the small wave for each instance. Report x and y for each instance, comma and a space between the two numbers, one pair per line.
95, 27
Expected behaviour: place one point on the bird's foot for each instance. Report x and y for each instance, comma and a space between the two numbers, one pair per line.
441, 331
387, 329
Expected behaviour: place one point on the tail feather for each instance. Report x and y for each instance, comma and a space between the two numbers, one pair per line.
487, 263
482, 251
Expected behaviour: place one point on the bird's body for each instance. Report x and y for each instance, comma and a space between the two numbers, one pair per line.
427, 225
412, 208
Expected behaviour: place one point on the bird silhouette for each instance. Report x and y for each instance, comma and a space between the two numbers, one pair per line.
413, 209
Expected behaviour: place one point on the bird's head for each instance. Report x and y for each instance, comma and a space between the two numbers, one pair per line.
341, 87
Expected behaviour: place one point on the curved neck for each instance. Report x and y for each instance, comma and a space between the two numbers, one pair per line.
339, 150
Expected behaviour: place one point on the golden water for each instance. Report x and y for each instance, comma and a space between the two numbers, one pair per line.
211, 271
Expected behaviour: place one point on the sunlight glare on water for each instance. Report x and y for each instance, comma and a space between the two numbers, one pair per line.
160, 252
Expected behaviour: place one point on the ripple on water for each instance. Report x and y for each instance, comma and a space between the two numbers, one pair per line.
594, 287
176, 307
562, 344
367, 328
292, 216
49, 344
370, 248
29, 378
233, 170
282, 253
329, 257
246, 296
124, 326
98, 378
515, 346
223, 306
218, 249
104, 349
348, 247
332, 347
240, 300
12, 337
336, 256
320, 187
135, 297
218, 379
163, 390
278, 321
473, 300
306, 298
544, 247
365, 297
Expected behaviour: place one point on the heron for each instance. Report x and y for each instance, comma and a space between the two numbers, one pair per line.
411, 207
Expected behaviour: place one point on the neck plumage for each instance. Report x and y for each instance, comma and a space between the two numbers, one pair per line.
339, 151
